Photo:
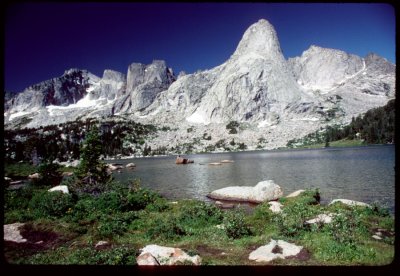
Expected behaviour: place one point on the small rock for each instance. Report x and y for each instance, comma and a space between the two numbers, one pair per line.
101, 244
174, 202
296, 193
62, 188
224, 205
16, 182
350, 202
39, 242
321, 218
130, 165
34, 176
7, 178
214, 164
12, 233
275, 206
378, 233
220, 226
227, 161
376, 237
165, 256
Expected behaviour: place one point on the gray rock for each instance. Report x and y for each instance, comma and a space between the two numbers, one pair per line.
273, 250
155, 254
275, 206
350, 202
12, 232
61, 188
321, 218
263, 191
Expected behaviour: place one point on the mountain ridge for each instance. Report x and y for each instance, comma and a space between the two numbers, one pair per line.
276, 98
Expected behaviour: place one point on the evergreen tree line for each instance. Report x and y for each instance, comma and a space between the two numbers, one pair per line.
63, 141
376, 126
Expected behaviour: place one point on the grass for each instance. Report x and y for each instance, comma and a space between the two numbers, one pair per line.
129, 219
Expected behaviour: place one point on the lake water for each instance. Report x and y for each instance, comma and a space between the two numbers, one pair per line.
364, 174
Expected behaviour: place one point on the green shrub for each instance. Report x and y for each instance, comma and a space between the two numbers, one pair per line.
159, 205
235, 225
51, 204
17, 199
114, 224
346, 227
166, 228
139, 199
291, 221
49, 174
85, 256
200, 213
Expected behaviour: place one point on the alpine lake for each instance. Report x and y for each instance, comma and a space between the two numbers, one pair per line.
364, 173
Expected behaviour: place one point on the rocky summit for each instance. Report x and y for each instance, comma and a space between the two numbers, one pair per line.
273, 99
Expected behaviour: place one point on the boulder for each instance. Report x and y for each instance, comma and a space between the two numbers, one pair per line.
350, 202
321, 218
296, 193
130, 165
12, 232
263, 191
114, 167
154, 254
273, 250
62, 188
275, 206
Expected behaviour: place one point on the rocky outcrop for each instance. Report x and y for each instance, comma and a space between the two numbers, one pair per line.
274, 250
144, 83
161, 255
263, 191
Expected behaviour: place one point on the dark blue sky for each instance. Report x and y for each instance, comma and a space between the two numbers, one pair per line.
44, 40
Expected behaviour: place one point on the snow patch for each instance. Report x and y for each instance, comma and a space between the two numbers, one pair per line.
197, 119
18, 114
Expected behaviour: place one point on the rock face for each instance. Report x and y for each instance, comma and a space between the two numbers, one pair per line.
160, 255
274, 250
263, 191
276, 99
144, 83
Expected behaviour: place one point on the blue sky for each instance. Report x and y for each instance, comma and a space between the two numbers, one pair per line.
44, 40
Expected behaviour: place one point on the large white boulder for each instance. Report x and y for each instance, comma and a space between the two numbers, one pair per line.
273, 250
12, 232
154, 254
264, 191
350, 202
62, 188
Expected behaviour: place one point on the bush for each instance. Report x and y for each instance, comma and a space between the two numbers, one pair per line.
167, 228
139, 199
85, 256
49, 174
200, 214
291, 221
51, 204
159, 205
115, 224
235, 226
